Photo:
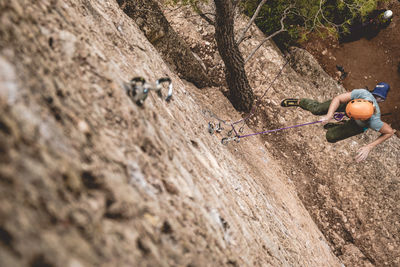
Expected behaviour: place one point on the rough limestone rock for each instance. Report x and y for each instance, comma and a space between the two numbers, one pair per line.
355, 205
88, 178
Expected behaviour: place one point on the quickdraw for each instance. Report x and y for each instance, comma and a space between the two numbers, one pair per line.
215, 127
138, 89
226, 140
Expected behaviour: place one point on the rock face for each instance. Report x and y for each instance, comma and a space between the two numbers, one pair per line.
358, 203
355, 205
89, 178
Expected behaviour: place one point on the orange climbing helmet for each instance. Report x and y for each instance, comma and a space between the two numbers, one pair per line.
360, 109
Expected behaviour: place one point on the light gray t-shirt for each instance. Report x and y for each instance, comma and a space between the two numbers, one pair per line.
374, 122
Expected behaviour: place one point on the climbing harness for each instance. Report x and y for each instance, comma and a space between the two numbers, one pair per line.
337, 116
138, 89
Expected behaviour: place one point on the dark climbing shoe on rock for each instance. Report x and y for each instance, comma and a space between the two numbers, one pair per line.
290, 102
330, 125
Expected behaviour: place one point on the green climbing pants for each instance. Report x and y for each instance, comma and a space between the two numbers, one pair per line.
335, 131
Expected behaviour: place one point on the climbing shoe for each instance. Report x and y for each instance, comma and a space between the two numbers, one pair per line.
290, 102
330, 125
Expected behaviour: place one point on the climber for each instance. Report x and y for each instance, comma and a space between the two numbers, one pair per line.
356, 125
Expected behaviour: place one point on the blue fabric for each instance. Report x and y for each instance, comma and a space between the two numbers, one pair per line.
381, 89
374, 122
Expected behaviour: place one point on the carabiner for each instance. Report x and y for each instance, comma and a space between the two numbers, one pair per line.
159, 87
137, 89
210, 128
218, 127
338, 116
225, 140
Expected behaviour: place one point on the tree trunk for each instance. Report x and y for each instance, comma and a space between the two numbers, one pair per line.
240, 92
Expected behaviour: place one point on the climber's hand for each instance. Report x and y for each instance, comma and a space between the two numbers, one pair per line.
363, 153
325, 119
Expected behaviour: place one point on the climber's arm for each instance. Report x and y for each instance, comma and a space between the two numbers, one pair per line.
386, 132
336, 101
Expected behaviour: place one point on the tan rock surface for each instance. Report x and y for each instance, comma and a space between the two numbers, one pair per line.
355, 205
88, 178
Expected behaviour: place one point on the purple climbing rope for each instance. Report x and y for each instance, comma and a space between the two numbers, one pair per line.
280, 129
337, 116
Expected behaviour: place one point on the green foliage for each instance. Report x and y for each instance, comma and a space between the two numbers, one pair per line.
366, 6
307, 16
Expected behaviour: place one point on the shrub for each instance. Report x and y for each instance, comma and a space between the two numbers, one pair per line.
329, 17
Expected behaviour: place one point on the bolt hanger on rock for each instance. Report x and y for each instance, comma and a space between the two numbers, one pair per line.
138, 89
